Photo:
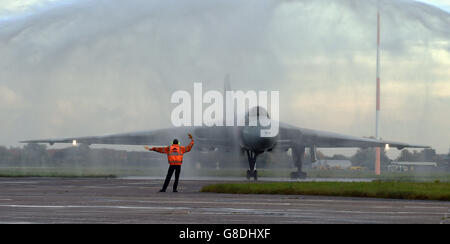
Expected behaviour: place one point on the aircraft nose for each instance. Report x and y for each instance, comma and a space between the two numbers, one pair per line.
265, 142
252, 139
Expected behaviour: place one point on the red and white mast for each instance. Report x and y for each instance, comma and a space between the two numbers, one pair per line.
377, 122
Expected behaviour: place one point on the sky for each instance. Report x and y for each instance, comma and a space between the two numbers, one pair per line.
14, 8
79, 68
443, 4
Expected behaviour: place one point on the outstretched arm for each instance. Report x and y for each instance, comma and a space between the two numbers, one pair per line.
189, 147
158, 149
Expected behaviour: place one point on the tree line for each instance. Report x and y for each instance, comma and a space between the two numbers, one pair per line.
38, 155
365, 157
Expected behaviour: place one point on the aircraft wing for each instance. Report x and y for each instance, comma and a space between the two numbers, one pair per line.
226, 138
155, 137
309, 137
203, 136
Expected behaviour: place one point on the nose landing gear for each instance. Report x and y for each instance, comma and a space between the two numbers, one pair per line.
252, 173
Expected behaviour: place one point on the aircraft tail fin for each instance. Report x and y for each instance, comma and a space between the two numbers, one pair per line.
226, 84
226, 87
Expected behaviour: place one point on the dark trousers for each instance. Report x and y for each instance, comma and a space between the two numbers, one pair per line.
177, 169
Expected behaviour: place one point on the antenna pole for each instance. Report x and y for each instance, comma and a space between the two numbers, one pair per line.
377, 122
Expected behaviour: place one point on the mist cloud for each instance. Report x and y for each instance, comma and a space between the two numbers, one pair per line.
98, 67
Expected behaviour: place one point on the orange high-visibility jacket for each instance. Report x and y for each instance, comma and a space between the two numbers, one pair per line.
174, 152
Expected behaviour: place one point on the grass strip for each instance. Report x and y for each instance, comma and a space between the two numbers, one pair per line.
376, 189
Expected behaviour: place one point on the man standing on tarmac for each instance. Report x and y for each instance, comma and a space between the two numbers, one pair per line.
175, 157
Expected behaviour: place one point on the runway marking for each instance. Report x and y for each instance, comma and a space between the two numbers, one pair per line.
100, 187
15, 222
19, 182
394, 212
81, 206
213, 202
293, 204
279, 212
425, 207
401, 202
380, 207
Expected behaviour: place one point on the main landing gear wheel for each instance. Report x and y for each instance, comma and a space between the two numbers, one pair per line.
298, 155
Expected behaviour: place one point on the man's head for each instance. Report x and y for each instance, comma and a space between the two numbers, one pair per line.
175, 141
